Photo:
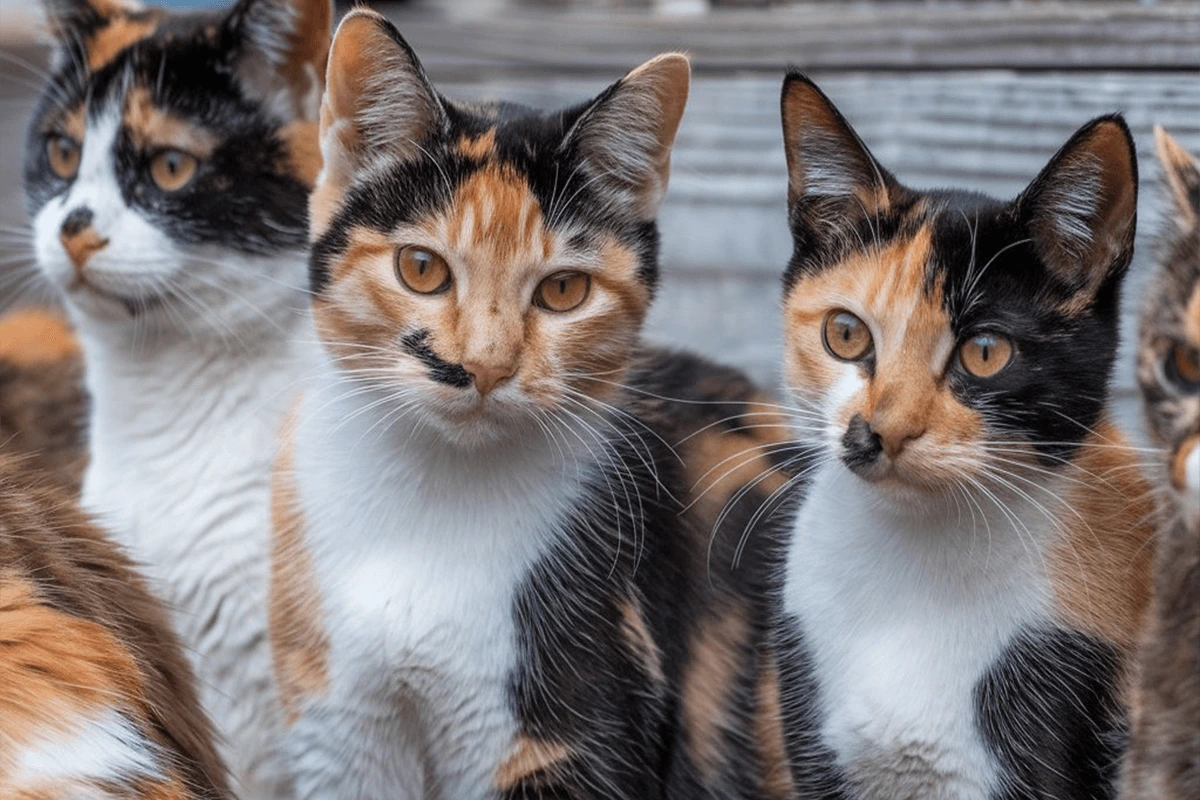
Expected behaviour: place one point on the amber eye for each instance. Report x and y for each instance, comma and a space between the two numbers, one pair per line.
846, 336
422, 271
985, 354
173, 169
563, 291
1183, 367
63, 153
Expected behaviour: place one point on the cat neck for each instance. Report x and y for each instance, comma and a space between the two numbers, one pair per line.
143, 384
347, 422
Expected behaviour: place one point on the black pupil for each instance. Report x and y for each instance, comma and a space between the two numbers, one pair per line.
422, 263
562, 285
847, 329
173, 162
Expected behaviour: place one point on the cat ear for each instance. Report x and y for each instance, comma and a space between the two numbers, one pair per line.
832, 176
282, 49
623, 138
1082, 209
378, 107
1182, 173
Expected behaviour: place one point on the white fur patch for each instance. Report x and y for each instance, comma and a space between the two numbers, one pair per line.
106, 748
904, 608
419, 547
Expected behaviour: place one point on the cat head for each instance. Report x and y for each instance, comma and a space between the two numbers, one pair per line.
1169, 352
484, 263
168, 160
938, 338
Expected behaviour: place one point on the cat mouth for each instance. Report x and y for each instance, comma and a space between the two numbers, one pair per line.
134, 305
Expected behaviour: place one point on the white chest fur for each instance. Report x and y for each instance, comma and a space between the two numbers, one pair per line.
420, 550
903, 611
182, 438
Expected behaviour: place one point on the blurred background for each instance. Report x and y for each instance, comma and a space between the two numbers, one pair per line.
970, 94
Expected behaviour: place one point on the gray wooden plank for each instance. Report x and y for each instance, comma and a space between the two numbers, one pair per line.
904, 35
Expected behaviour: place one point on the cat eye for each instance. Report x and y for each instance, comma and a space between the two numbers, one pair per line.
173, 169
846, 337
985, 354
1183, 367
563, 291
63, 154
422, 271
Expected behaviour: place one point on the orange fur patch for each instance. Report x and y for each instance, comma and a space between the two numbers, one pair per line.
118, 34
82, 246
299, 644
496, 216
777, 772
30, 337
640, 642
530, 760
1101, 564
719, 462
303, 146
480, 147
713, 666
56, 671
150, 127
906, 398
1179, 465
1191, 318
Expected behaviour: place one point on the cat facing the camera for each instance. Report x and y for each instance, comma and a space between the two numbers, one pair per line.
167, 169
483, 585
969, 567
1164, 755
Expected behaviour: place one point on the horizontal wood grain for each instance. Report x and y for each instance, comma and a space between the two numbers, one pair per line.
828, 36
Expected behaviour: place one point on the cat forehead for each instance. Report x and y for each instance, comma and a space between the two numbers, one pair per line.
121, 38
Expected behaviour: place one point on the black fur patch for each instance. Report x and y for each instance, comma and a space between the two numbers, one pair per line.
1049, 711
417, 343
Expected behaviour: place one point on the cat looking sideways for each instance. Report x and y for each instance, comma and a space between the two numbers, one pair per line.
970, 566
167, 168
1164, 758
482, 583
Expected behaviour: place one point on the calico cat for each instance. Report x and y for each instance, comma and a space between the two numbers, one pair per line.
1164, 757
96, 698
43, 406
482, 585
969, 569
167, 169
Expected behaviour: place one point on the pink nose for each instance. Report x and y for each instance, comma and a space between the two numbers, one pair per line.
488, 376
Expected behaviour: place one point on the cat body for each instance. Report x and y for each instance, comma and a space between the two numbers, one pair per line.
167, 167
96, 697
968, 569
1164, 757
484, 581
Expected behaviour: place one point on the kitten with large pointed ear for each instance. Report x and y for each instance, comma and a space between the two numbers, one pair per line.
954, 353
1164, 757
167, 169
482, 584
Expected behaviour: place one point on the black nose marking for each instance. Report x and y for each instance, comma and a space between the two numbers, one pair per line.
77, 220
861, 445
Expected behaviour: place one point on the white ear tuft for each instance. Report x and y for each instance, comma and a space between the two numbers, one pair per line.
624, 138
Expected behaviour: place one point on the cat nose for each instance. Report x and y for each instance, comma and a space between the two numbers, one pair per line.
894, 434
861, 446
487, 376
79, 238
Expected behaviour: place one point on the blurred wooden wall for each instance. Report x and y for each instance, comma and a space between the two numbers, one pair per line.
977, 95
